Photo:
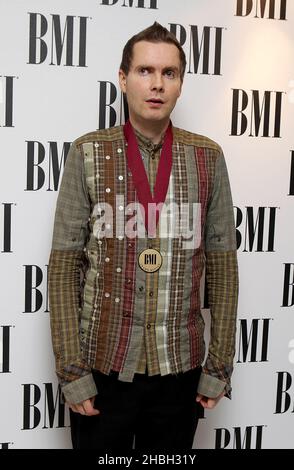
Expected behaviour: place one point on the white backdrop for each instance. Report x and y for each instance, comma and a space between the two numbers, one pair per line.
48, 94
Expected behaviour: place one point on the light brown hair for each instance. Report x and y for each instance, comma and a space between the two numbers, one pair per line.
154, 33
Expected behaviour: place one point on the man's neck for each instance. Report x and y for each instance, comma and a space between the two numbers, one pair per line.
154, 132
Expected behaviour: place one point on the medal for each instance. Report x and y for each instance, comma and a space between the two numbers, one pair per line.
150, 260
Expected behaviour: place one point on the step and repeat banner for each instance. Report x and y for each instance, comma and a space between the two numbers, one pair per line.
58, 80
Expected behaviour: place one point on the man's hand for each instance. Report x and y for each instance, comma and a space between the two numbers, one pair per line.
86, 407
209, 402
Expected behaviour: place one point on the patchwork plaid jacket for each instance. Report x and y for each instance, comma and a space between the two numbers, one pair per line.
108, 314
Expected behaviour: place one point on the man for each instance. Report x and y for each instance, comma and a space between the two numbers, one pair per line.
125, 268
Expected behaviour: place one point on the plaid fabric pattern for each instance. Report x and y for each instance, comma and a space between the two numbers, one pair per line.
108, 314
150, 154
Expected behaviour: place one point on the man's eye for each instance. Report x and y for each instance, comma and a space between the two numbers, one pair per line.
170, 73
143, 71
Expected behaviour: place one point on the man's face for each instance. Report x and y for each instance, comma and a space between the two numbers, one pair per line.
153, 83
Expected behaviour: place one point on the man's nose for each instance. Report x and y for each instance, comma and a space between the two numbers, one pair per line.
157, 82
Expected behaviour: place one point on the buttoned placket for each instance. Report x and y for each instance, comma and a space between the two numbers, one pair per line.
150, 154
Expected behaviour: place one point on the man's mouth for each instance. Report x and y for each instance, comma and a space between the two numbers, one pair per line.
155, 100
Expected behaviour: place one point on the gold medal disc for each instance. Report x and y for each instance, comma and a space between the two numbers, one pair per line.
150, 260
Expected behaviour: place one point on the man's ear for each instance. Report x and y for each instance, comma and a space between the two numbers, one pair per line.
122, 80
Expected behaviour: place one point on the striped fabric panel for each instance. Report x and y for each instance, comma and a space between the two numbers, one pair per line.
152, 278
222, 283
210, 156
93, 296
166, 224
198, 258
118, 289
63, 283
107, 295
136, 345
203, 184
178, 262
129, 288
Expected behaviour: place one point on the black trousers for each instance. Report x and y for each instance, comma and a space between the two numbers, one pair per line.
160, 412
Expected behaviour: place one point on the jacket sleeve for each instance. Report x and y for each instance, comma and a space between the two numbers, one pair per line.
64, 279
222, 283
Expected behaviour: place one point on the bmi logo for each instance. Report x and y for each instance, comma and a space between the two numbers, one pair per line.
62, 41
253, 340
274, 9
150, 260
45, 165
249, 437
256, 111
255, 228
42, 407
131, 3
205, 47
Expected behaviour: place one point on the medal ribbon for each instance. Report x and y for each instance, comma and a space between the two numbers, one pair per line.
136, 165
